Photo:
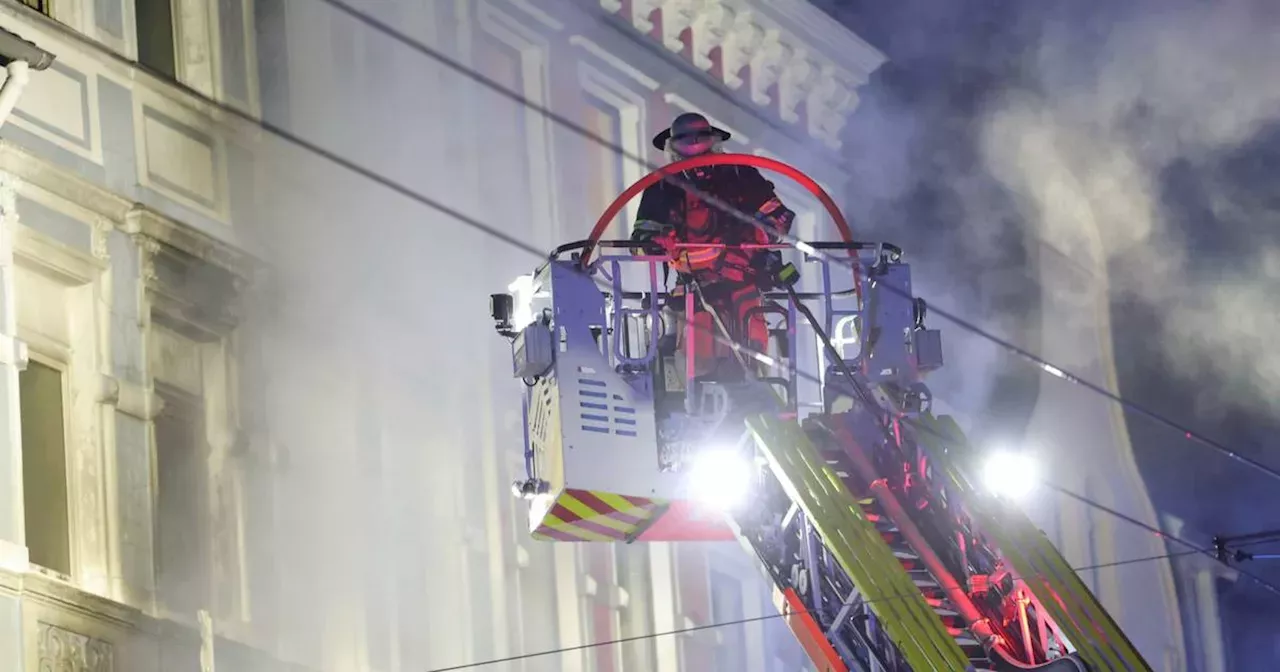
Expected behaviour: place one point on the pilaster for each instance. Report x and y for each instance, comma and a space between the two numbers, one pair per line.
13, 358
1083, 440
1198, 578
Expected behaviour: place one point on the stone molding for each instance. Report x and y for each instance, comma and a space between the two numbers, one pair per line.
784, 55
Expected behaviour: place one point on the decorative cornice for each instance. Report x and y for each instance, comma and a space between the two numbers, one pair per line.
18, 166
786, 56
204, 310
152, 224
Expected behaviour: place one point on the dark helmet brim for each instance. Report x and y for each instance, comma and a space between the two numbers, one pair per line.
660, 140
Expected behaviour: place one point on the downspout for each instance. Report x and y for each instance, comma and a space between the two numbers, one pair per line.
19, 73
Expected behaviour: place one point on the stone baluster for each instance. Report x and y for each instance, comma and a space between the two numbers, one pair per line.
766, 65
676, 16
739, 47
787, 71
830, 101
711, 27
820, 96
640, 12
798, 78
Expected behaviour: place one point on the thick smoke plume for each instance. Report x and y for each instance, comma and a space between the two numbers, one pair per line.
1132, 131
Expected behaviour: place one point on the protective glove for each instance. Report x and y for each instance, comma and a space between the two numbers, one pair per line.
646, 237
772, 272
765, 265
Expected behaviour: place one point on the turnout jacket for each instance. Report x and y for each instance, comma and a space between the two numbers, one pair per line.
667, 209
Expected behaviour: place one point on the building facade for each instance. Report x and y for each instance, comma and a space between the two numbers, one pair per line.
121, 513
254, 418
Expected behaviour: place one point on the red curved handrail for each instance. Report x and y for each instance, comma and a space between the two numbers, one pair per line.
752, 160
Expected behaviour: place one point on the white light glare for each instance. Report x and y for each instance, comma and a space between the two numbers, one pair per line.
720, 478
1010, 474
522, 292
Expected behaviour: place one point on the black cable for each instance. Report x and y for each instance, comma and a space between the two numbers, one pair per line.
470, 73
462, 217
1133, 561
861, 390
409, 193
478, 77
744, 621
876, 411
1044, 365
1193, 548
514, 242
1052, 370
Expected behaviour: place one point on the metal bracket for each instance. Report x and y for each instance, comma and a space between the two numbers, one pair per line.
1226, 548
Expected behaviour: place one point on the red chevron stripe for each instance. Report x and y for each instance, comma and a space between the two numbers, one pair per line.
563, 513
639, 502
592, 502
599, 506
557, 534
600, 529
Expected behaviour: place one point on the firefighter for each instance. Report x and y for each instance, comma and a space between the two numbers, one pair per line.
731, 280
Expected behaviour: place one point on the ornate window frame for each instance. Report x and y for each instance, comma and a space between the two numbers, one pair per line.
534, 51
199, 57
632, 114
82, 276
216, 340
198, 46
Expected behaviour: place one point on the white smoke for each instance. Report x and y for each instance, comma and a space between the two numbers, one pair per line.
1089, 150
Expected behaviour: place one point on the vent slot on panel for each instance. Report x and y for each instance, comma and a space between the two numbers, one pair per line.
603, 411
544, 427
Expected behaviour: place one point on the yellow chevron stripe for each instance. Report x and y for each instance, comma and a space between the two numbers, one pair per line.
615, 502
587, 513
569, 528
620, 504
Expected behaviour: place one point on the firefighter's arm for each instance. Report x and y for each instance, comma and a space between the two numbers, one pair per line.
777, 217
650, 223
768, 208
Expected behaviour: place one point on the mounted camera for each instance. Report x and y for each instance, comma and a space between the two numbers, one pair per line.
501, 307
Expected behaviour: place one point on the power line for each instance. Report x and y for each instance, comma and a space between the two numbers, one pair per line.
514, 242
470, 73
478, 77
519, 244
1192, 547
872, 407
745, 621
1041, 363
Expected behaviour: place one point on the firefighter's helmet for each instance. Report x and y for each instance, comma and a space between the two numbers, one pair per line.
690, 134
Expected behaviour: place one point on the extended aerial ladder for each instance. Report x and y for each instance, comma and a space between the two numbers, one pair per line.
860, 503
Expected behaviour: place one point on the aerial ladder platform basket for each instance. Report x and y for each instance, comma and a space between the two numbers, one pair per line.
857, 500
